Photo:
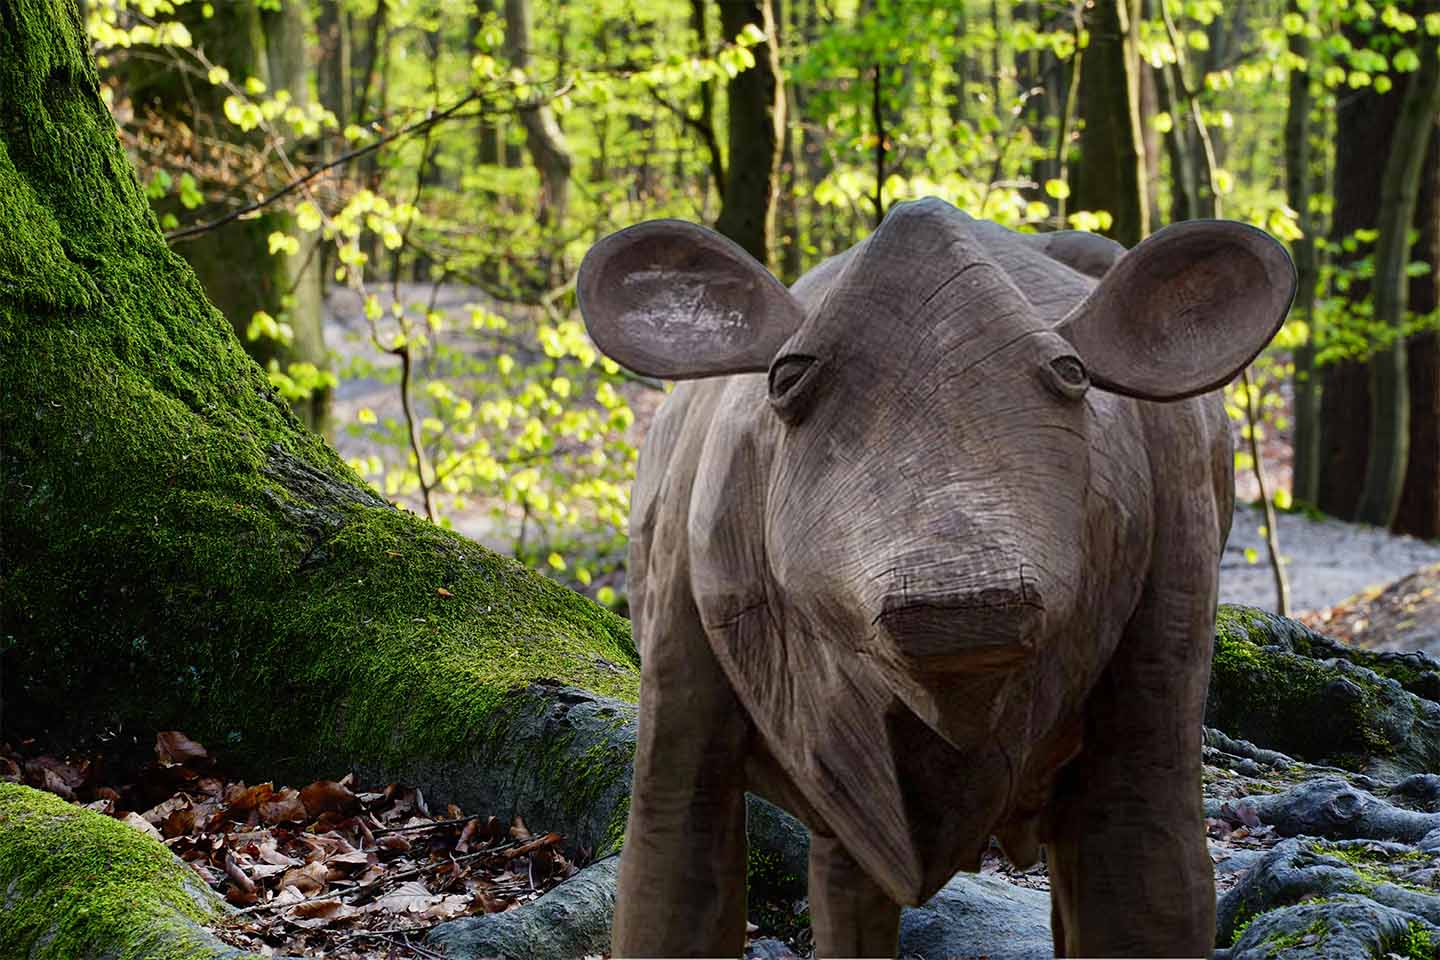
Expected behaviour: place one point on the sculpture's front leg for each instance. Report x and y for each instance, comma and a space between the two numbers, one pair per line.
682, 871
850, 915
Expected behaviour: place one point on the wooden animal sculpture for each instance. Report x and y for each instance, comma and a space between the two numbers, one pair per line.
930, 556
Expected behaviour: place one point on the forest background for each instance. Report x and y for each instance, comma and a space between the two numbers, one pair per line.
428, 174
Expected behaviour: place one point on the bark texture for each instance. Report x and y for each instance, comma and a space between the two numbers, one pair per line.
1110, 174
543, 136
1366, 124
1419, 510
1299, 185
757, 123
1389, 374
239, 273
176, 548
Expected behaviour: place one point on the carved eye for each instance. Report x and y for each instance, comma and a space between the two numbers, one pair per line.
792, 381
1066, 376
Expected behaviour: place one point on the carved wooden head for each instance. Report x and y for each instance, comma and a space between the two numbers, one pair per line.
932, 393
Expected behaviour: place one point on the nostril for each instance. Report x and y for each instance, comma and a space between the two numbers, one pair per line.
989, 628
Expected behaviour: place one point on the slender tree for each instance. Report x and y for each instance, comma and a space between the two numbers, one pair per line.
1389, 445
1110, 172
1419, 511
1298, 189
543, 137
757, 121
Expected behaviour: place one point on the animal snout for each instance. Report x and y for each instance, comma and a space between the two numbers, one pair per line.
986, 629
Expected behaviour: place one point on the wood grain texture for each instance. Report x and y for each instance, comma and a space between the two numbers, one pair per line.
921, 583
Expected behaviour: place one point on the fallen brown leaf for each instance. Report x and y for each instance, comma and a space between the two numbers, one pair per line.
327, 796
284, 807
410, 897
307, 879
140, 823
173, 748
237, 875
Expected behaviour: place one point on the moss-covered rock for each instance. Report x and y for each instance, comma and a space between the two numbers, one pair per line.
176, 550
1339, 928
1280, 685
76, 885
1307, 870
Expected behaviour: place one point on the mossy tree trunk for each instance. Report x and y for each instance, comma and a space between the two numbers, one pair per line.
235, 264
175, 548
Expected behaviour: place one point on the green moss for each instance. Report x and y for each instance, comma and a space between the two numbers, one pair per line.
1367, 864
177, 549
767, 883
615, 830
78, 884
1243, 918
1419, 945
1279, 942
1281, 699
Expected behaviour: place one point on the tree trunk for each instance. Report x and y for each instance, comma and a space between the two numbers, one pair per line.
1389, 446
488, 143
543, 137
789, 239
240, 274
1150, 140
287, 59
177, 549
332, 29
1364, 123
1419, 512
1305, 476
1111, 169
757, 122
1184, 179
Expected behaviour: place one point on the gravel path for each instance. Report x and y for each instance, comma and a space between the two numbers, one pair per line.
1327, 560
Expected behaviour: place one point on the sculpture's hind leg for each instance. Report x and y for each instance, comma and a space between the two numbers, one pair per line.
850, 914
1130, 874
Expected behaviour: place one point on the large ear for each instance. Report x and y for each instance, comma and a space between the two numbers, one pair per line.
672, 299
1184, 311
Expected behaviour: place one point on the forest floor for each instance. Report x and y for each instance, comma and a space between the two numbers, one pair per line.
1329, 562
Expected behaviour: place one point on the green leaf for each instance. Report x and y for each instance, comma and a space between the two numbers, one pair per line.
1058, 189
190, 195
750, 36
307, 216
282, 242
